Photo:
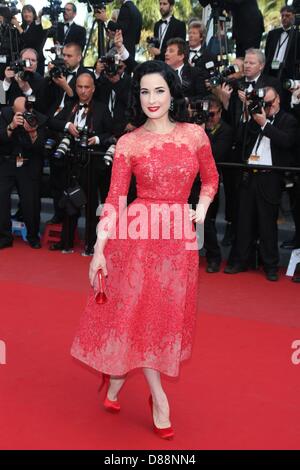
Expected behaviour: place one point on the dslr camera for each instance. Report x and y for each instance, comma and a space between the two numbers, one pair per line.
80, 143
112, 63
200, 111
18, 66
217, 77
29, 114
153, 42
256, 100
59, 69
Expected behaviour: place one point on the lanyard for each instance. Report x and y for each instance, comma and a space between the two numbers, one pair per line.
260, 136
282, 43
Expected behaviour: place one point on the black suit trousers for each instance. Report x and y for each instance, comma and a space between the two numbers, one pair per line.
95, 183
257, 217
28, 183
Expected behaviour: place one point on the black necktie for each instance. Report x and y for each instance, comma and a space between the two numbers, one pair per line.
194, 50
71, 74
81, 106
67, 25
251, 83
164, 22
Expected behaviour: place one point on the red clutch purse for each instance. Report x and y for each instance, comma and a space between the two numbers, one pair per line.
99, 288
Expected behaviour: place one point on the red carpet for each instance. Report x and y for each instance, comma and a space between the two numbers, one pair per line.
240, 390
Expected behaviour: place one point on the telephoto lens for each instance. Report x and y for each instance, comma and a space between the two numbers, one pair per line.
63, 148
109, 155
289, 84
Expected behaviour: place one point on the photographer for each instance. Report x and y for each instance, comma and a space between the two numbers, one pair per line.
253, 79
21, 77
198, 54
22, 141
84, 112
166, 28
112, 89
282, 46
63, 76
32, 35
271, 138
68, 32
131, 23
10, 43
220, 136
247, 22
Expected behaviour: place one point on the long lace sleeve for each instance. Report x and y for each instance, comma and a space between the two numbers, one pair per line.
116, 200
208, 172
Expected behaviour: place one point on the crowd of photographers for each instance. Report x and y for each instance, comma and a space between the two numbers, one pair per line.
72, 116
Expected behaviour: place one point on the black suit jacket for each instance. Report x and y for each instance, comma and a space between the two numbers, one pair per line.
34, 37
192, 84
14, 91
287, 68
98, 119
176, 29
282, 134
130, 22
235, 108
221, 142
20, 142
53, 94
122, 90
75, 34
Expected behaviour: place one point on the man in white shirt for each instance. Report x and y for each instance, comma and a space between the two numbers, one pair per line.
270, 141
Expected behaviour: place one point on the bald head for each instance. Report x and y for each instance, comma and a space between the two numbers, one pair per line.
85, 87
19, 104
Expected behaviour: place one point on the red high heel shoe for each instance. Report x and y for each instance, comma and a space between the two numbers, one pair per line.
109, 405
164, 433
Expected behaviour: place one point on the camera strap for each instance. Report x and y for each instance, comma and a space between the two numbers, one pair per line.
261, 135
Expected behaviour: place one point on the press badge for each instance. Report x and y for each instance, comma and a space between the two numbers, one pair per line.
275, 65
253, 158
19, 161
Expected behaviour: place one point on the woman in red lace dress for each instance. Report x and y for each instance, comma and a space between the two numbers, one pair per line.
148, 250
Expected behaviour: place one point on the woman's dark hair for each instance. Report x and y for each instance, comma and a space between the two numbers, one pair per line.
179, 109
31, 9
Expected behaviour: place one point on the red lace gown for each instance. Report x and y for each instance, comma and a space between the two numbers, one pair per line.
149, 318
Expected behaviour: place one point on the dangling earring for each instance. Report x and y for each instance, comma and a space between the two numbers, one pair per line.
171, 108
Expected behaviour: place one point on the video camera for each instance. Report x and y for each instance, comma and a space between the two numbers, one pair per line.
200, 111
218, 77
153, 42
53, 10
256, 100
96, 4
8, 10
112, 63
